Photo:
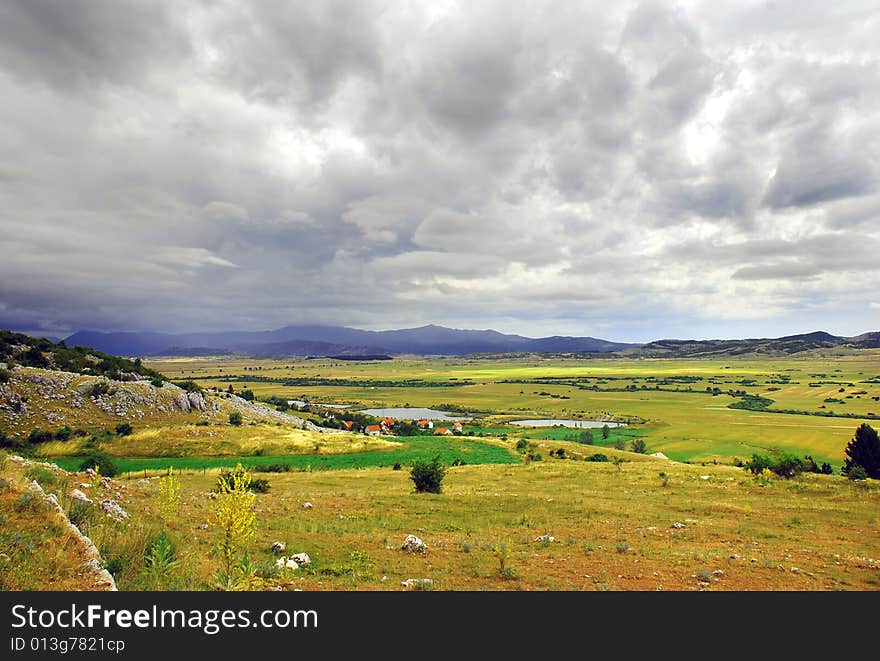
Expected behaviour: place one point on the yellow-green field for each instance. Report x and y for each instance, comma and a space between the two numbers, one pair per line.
681, 419
648, 524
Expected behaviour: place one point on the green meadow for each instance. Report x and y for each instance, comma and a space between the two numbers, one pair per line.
680, 407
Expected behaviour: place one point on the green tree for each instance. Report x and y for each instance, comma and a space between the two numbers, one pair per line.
248, 395
864, 450
235, 419
638, 445
428, 475
606, 430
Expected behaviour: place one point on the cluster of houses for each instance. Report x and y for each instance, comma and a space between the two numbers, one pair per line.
386, 428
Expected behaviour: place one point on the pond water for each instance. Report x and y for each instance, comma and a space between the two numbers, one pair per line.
413, 413
578, 424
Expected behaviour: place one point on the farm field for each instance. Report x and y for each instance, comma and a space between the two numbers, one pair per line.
826, 395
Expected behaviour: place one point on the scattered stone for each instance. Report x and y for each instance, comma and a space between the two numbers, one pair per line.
413, 544
678, 524
144, 482
91, 472
286, 563
307, 506
734, 556
795, 570
85, 485
301, 558
545, 539
418, 583
203, 526
705, 477
718, 572
278, 547
113, 509
78, 495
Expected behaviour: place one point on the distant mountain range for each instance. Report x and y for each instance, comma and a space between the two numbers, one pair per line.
314, 340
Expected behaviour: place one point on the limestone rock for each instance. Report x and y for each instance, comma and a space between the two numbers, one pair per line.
278, 547
307, 506
413, 544
545, 539
301, 558
78, 495
418, 583
113, 509
286, 563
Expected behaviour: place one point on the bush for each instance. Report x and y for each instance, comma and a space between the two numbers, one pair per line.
586, 437
597, 457
4, 375
235, 419
864, 450
98, 389
105, 465
63, 434
272, 468
620, 444
639, 446
458, 461
826, 469
226, 479
428, 475
396, 466
248, 395
40, 436
157, 382
857, 472
123, 429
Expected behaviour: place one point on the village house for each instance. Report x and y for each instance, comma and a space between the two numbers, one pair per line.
442, 431
456, 427
373, 430
425, 424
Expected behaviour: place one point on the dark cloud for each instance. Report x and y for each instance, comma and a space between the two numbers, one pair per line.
636, 170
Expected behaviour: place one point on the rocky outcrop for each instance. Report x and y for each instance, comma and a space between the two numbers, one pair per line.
101, 579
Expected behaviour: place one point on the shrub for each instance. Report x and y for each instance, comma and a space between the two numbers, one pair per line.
620, 444
826, 469
597, 457
98, 389
227, 480
639, 446
189, 386
857, 472
458, 461
396, 466
81, 514
428, 475
101, 462
248, 395
168, 497
272, 468
522, 445
156, 382
63, 434
40, 436
124, 429
4, 375
864, 450
586, 437
235, 419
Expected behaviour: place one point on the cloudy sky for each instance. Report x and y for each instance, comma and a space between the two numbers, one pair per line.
623, 170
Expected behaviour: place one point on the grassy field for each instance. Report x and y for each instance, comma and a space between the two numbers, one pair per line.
647, 524
682, 417
403, 450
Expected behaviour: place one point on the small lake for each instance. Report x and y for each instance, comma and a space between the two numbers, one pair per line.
578, 424
413, 414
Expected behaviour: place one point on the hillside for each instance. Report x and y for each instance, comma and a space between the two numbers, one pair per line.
51, 400
19, 349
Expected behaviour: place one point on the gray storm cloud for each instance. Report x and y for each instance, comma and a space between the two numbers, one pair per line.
636, 171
